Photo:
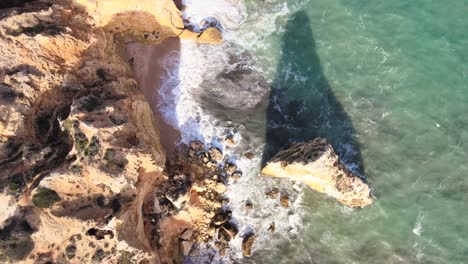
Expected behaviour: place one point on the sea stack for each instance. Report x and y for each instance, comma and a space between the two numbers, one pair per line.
316, 164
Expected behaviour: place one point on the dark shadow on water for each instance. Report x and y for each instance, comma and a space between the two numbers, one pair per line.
302, 105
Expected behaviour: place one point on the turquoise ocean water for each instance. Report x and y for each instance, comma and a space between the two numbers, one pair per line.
392, 77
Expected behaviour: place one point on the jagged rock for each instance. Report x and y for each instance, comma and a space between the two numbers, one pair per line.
186, 234
247, 244
216, 154
316, 164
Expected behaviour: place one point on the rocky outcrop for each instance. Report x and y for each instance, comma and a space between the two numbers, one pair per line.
316, 164
79, 150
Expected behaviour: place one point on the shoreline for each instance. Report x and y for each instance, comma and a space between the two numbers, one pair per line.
150, 75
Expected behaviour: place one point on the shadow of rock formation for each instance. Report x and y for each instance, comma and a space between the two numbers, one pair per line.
302, 105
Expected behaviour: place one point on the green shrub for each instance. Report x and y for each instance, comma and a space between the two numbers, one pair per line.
45, 197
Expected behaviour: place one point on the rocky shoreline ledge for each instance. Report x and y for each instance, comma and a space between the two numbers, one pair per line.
316, 164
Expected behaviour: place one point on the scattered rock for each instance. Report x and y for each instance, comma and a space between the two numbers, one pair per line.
316, 164
222, 247
197, 145
249, 155
225, 201
186, 234
284, 200
272, 227
229, 140
216, 154
272, 194
230, 168
247, 244
248, 206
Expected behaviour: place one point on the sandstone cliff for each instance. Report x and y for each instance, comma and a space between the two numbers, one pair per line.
79, 151
316, 164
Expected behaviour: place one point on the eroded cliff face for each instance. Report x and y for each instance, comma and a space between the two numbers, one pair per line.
316, 164
79, 151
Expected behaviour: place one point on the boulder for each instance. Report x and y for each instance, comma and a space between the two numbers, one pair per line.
216, 154
316, 164
247, 244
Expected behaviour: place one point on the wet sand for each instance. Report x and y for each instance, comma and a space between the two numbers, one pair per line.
150, 74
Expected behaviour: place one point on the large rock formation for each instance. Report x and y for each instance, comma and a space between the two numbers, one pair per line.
316, 164
79, 151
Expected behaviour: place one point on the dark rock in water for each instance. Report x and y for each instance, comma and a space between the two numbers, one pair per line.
316, 164
247, 244
239, 87
236, 175
210, 22
248, 206
272, 227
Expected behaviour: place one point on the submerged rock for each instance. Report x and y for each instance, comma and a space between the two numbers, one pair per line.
316, 164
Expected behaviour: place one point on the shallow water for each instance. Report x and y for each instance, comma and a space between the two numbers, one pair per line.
386, 82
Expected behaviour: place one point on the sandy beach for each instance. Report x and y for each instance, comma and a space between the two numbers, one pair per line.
150, 74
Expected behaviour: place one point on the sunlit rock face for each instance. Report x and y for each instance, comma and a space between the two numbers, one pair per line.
80, 153
316, 164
